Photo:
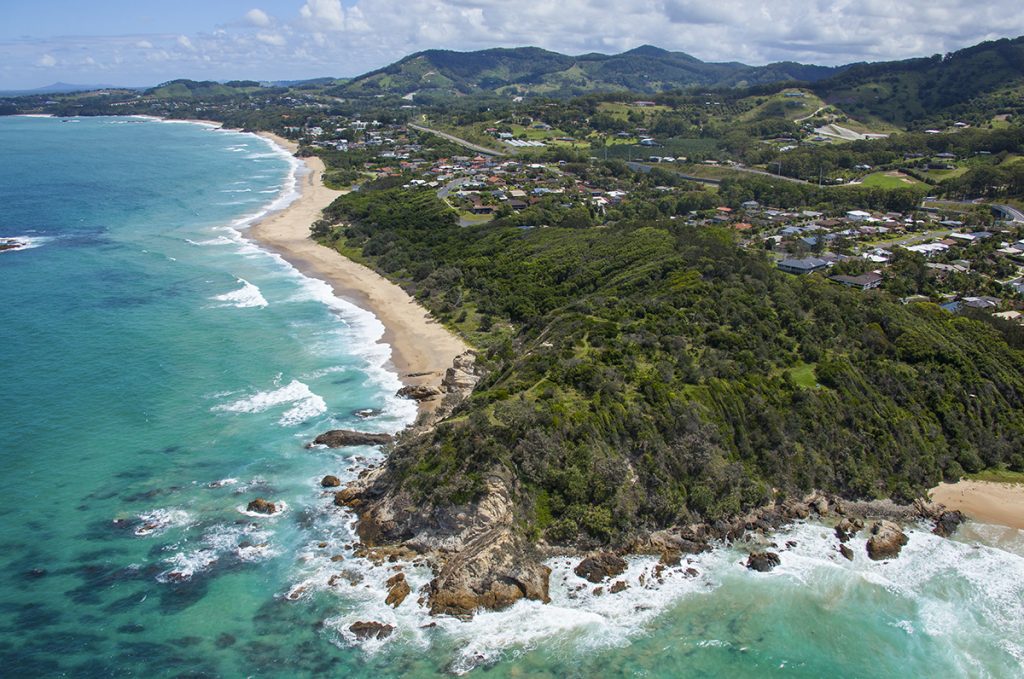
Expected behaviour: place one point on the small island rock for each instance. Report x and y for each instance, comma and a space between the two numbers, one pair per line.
261, 506
371, 630
330, 481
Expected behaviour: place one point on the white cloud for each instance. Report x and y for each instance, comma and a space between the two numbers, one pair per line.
274, 39
327, 37
324, 14
257, 17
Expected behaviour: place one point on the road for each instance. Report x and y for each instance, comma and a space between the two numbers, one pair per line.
1009, 211
461, 142
808, 117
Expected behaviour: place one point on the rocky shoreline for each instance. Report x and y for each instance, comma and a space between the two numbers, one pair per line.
481, 560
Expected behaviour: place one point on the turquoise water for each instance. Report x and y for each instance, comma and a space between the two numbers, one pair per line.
160, 371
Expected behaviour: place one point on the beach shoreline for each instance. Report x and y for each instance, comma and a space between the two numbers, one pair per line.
422, 349
991, 502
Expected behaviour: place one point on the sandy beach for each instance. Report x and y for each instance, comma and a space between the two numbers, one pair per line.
997, 503
421, 348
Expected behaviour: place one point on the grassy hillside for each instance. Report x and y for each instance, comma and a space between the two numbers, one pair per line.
973, 84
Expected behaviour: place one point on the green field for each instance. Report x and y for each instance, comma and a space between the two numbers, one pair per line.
889, 180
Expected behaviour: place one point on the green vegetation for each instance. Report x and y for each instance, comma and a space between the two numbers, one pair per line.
998, 475
652, 372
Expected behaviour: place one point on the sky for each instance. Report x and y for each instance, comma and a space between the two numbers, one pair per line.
146, 42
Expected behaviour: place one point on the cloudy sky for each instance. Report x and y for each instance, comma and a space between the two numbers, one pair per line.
144, 42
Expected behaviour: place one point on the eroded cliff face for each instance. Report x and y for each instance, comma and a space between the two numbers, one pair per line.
480, 558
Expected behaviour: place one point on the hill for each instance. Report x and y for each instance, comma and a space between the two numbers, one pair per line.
973, 83
531, 70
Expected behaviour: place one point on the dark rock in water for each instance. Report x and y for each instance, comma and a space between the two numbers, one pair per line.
763, 562
846, 552
131, 629
947, 522
691, 572
337, 557
330, 482
398, 590
419, 392
790, 544
371, 630
366, 413
618, 586
598, 591
338, 438
599, 566
36, 573
261, 506
224, 640
847, 528
886, 540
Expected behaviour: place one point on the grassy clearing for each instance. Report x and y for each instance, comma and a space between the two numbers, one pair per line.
889, 180
803, 375
998, 475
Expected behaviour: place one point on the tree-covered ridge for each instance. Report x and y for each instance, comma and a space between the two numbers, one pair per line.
534, 70
650, 373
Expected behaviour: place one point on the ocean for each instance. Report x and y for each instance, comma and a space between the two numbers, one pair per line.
160, 371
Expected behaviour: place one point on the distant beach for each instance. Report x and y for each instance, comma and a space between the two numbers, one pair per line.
985, 501
422, 348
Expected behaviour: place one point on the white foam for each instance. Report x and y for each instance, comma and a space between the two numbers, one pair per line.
24, 242
159, 520
246, 297
219, 240
931, 572
305, 404
249, 543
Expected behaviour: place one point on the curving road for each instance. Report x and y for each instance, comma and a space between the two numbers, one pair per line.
461, 142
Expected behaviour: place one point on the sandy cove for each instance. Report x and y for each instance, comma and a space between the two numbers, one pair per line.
421, 348
985, 501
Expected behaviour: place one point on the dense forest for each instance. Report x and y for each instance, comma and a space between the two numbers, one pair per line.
653, 372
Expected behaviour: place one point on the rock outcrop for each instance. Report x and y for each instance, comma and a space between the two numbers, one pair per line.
600, 566
338, 438
398, 590
371, 630
886, 541
763, 562
330, 482
261, 506
479, 557
420, 392
947, 522
847, 528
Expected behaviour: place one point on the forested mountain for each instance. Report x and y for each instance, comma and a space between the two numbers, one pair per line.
537, 71
988, 76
